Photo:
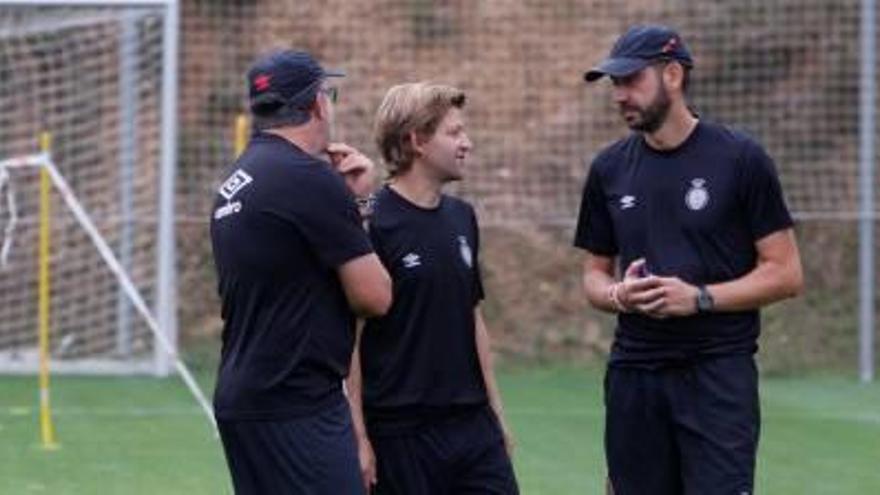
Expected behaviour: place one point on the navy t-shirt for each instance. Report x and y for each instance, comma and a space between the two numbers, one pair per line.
283, 221
694, 212
420, 359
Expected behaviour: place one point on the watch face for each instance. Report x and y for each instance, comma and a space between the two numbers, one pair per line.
704, 300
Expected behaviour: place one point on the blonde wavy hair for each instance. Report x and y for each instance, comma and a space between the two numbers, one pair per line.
411, 109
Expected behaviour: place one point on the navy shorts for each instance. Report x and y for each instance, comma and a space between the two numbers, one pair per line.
459, 455
312, 455
691, 429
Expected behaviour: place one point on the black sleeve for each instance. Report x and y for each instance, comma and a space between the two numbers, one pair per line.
595, 232
479, 293
324, 212
378, 246
761, 193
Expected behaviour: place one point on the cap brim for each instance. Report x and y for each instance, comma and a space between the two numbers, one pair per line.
334, 73
616, 67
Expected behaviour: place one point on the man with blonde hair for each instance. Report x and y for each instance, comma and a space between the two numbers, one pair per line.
426, 402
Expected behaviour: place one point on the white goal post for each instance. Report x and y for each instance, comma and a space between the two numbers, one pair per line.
43, 161
101, 76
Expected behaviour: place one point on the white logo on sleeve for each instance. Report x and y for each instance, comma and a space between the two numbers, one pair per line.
627, 202
236, 182
465, 249
697, 196
412, 260
227, 209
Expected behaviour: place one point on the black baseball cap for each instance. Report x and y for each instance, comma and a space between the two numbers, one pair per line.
285, 77
637, 48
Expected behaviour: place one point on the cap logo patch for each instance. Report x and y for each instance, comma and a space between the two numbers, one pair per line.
261, 82
670, 45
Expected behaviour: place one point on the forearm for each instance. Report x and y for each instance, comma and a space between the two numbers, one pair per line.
599, 288
769, 282
776, 276
484, 354
354, 388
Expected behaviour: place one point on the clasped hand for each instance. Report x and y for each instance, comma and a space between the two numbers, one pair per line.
656, 296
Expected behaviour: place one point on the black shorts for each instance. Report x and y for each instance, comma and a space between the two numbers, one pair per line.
314, 455
686, 430
460, 455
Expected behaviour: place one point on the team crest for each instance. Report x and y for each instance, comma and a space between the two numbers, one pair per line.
465, 249
697, 196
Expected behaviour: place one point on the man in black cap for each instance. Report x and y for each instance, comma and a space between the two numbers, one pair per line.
295, 267
692, 214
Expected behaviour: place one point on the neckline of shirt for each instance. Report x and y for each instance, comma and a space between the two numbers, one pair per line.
270, 137
674, 151
399, 198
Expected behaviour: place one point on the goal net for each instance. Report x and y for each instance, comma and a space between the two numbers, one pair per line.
92, 76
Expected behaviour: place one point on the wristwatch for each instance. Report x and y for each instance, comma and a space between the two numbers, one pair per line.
705, 302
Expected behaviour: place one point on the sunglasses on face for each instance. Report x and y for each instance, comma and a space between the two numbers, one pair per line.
332, 93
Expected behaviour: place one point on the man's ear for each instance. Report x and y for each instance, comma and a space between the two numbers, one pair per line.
673, 75
415, 142
317, 110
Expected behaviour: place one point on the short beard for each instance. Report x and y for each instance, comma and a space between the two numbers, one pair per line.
652, 117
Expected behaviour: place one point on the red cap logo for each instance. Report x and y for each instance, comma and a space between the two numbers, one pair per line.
670, 45
261, 82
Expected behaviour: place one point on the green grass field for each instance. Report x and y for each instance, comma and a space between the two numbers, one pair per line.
132, 436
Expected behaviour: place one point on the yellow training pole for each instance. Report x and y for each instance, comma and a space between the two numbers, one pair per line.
47, 430
241, 133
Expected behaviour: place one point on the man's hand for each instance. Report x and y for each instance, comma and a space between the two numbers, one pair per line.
367, 459
678, 298
638, 292
358, 171
657, 297
509, 440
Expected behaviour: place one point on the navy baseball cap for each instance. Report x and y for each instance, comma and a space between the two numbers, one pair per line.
285, 77
637, 48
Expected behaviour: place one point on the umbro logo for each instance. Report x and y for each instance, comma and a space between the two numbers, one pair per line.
227, 209
627, 202
412, 260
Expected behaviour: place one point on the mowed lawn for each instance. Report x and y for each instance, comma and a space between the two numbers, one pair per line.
821, 435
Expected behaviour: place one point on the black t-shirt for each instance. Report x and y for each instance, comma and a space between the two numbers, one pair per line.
420, 359
694, 212
282, 223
